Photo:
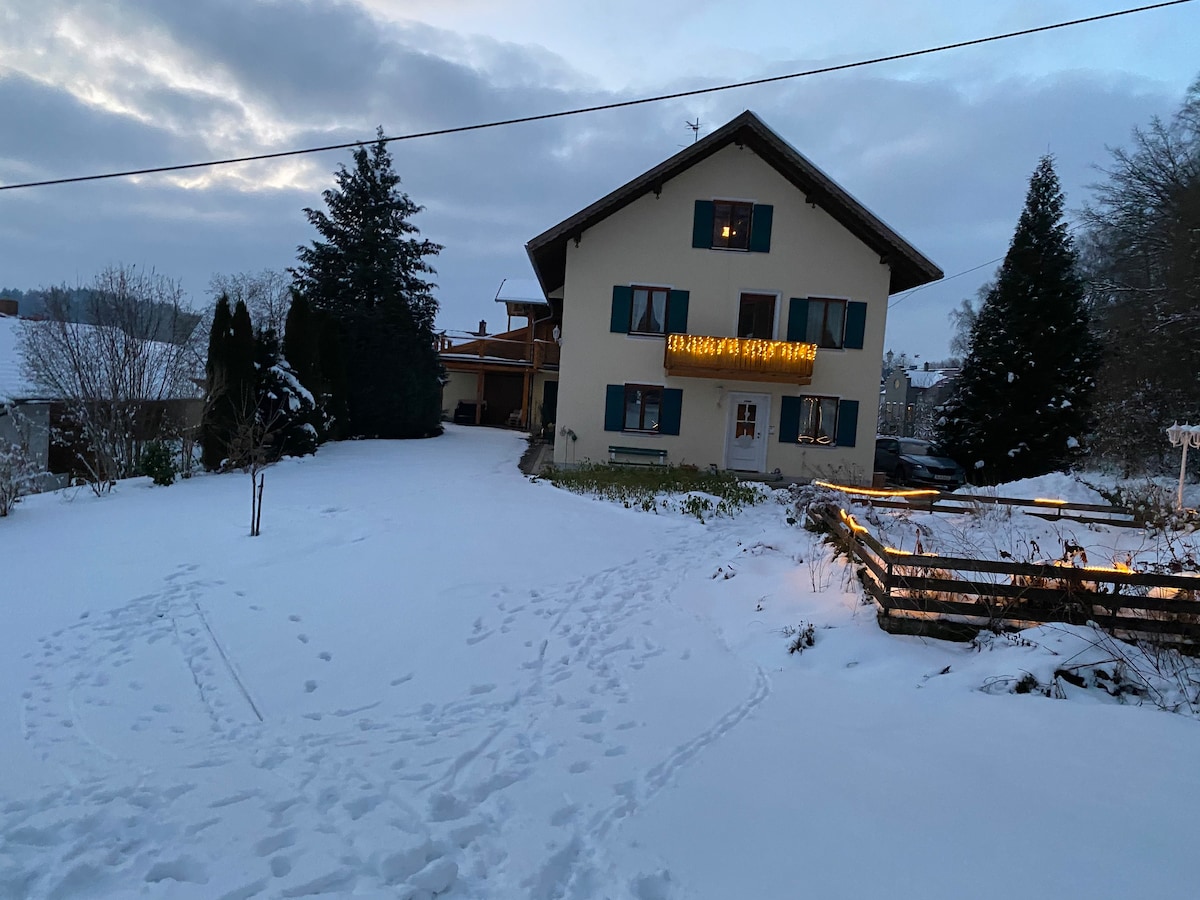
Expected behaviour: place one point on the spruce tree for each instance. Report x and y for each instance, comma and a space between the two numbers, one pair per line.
367, 271
216, 423
241, 371
287, 415
300, 343
1021, 406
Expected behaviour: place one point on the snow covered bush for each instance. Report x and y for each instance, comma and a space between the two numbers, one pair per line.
693, 492
17, 473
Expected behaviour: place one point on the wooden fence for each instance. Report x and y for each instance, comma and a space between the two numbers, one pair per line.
954, 597
943, 502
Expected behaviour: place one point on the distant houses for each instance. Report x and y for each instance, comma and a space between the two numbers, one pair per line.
910, 400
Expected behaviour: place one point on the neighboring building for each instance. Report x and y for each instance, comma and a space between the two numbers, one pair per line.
726, 307
507, 379
911, 398
24, 414
29, 416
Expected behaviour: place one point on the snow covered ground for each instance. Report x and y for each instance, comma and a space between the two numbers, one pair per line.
432, 677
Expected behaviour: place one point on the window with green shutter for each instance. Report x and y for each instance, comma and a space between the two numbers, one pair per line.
828, 323
642, 408
639, 309
732, 225
856, 325
816, 421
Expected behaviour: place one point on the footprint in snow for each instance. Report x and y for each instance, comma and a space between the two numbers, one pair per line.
293, 618
325, 655
310, 686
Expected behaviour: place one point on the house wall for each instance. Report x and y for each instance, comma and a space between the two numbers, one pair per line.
460, 387
28, 425
649, 242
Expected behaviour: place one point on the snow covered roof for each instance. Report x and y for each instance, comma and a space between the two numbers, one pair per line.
13, 383
15, 386
909, 267
520, 290
920, 378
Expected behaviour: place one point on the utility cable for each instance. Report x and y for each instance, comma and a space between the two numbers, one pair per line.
841, 67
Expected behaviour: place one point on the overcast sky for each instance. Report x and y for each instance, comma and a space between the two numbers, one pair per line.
940, 147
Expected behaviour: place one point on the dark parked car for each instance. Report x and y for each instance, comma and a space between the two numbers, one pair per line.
910, 461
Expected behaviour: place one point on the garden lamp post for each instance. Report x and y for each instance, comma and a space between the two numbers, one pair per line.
1183, 436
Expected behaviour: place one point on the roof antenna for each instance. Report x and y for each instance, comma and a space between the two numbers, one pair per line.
695, 126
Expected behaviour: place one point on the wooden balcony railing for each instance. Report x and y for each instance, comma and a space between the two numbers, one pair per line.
503, 350
745, 359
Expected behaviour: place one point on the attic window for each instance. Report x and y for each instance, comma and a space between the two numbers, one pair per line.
731, 224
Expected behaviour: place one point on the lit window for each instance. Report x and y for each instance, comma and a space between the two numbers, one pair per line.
818, 420
731, 225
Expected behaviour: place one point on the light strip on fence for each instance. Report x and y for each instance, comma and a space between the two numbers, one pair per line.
874, 492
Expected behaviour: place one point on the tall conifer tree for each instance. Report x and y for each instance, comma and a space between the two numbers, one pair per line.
216, 424
1021, 407
367, 271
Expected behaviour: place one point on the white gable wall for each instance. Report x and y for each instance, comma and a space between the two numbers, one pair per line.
650, 242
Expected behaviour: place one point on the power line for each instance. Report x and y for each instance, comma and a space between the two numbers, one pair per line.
841, 67
991, 262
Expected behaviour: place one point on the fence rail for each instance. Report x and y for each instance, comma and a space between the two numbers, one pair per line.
921, 593
933, 500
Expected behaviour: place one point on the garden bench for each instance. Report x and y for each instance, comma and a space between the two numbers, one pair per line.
653, 457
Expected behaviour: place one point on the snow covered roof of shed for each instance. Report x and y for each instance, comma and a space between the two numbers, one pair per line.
909, 267
14, 386
520, 290
13, 383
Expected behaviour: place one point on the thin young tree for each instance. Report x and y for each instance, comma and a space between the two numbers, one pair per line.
1022, 403
367, 271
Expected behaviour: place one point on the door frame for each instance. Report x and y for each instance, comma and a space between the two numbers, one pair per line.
763, 421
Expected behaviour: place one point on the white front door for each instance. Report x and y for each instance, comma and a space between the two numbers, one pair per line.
746, 443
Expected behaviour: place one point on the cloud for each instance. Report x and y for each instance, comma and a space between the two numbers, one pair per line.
942, 152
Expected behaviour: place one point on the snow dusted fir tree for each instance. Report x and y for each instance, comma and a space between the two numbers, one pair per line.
1022, 404
366, 273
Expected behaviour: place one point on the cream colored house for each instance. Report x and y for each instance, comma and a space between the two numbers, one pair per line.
726, 307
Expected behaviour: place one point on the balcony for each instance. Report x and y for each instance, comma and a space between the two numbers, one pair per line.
740, 359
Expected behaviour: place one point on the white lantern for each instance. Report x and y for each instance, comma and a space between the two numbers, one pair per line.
1183, 436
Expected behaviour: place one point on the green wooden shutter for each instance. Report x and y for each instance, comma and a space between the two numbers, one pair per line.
702, 225
760, 228
671, 411
622, 307
847, 424
856, 325
614, 407
677, 312
789, 420
797, 326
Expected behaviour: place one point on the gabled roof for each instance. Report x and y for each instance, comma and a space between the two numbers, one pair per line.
910, 268
13, 383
